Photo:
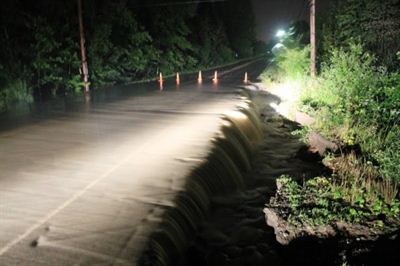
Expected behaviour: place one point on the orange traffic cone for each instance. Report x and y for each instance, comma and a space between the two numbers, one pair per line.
215, 79
200, 78
161, 81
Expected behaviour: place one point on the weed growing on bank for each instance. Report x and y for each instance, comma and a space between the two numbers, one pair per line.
322, 201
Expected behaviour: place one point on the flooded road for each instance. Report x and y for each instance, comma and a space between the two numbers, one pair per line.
84, 184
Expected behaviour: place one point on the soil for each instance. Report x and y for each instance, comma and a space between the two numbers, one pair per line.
236, 232
278, 210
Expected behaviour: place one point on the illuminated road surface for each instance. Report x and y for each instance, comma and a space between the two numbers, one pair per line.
87, 186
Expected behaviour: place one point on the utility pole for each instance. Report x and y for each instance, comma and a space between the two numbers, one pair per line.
313, 47
85, 71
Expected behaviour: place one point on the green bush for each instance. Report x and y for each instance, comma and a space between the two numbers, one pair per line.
294, 62
119, 50
321, 201
13, 93
290, 63
356, 102
55, 63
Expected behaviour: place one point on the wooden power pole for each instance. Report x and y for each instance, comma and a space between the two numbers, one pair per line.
85, 71
313, 47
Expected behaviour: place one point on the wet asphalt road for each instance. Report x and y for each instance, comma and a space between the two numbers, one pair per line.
85, 184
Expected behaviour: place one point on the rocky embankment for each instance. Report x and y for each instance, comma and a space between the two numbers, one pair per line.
279, 210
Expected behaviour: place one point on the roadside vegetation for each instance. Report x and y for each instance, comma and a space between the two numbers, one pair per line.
126, 41
355, 101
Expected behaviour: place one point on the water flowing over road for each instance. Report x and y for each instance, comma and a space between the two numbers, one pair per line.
85, 184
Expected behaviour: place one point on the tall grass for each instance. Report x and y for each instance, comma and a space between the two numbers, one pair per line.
290, 64
359, 180
14, 92
355, 102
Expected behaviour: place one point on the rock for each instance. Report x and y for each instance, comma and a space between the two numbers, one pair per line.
275, 216
281, 227
38, 241
285, 233
321, 144
359, 232
303, 118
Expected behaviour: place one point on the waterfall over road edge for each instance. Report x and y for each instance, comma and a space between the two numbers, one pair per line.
220, 172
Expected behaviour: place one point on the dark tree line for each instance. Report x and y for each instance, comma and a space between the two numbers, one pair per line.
126, 40
374, 23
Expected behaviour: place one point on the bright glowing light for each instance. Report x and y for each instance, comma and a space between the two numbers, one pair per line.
289, 93
278, 46
280, 33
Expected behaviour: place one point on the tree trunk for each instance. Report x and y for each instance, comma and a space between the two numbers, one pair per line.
85, 71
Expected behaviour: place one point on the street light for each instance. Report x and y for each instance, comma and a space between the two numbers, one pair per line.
280, 33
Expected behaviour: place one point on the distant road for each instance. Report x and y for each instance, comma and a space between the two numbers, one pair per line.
86, 184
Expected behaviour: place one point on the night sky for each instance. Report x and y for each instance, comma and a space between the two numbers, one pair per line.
274, 14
